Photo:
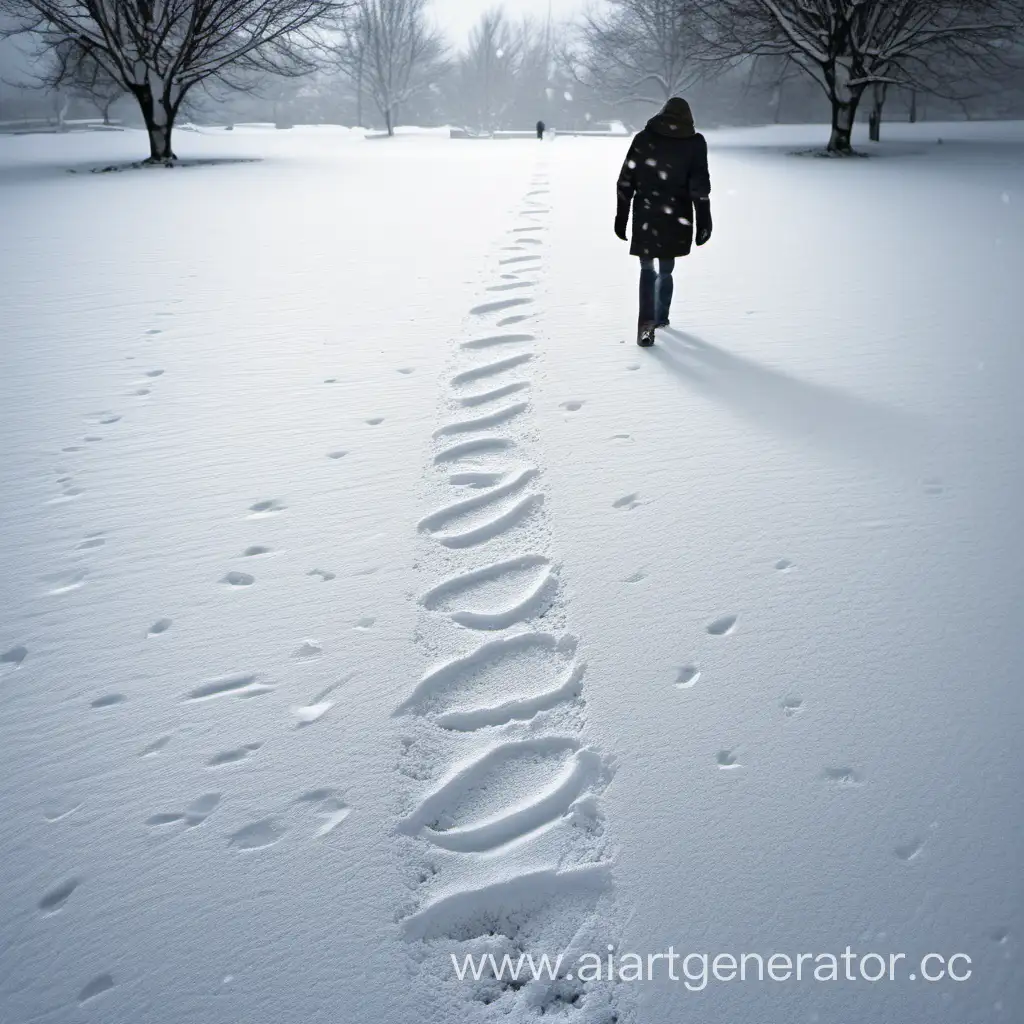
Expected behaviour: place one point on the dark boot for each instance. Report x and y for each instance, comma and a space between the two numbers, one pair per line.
648, 286
663, 294
645, 334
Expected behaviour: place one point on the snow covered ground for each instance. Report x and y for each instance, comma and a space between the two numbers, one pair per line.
368, 596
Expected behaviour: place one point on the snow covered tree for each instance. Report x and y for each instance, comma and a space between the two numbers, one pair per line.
390, 53
847, 46
159, 50
639, 50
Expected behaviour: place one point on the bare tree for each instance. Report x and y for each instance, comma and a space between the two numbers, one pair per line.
158, 50
391, 53
847, 46
639, 50
75, 72
488, 70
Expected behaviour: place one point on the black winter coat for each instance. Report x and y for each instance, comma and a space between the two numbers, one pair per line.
665, 170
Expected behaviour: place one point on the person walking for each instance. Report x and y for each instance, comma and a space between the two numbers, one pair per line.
665, 179
541, 126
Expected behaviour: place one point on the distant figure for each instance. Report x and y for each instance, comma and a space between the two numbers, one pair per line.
665, 178
541, 128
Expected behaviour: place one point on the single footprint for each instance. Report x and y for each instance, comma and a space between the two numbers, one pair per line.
908, 851
239, 579
686, 677
64, 583
322, 573
15, 656
632, 366
94, 540
155, 747
56, 897
366, 622
375, 421
309, 649
627, 502
108, 700
722, 626
164, 819
842, 776
792, 706
311, 713
255, 549
239, 685
102, 982
266, 508
511, 285
571, 406
783, 565
158, 627
331, 380
332, 809
407, 369
60, 812
141, 392
154, 373
199, 810
636, 577
258, 835
727, 759
339, 454
233, 756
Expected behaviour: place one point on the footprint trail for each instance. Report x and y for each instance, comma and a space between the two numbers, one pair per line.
516, 822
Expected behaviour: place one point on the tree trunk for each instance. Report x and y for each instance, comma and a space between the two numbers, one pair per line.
158, 113
879, 91
63, 102
844, 99
843, 114
913, 106
359, 94
387, 122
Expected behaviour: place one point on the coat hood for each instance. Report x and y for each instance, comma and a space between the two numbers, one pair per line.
674, 121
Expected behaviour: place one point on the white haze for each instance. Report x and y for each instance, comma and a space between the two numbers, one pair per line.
457, 17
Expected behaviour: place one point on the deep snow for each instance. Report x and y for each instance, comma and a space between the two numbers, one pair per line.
368, 595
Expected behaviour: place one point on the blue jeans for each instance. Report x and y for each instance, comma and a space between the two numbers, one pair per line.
656, 290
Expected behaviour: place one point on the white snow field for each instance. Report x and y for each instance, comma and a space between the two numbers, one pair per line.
369, 597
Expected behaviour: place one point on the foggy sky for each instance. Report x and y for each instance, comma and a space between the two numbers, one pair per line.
457, 17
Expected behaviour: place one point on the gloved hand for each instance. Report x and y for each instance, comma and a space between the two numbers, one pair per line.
620, 226
702, 208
